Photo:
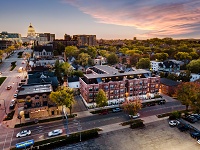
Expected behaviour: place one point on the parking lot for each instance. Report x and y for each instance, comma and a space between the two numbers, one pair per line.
155, 136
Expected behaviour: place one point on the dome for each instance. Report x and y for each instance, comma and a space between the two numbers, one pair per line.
31, 31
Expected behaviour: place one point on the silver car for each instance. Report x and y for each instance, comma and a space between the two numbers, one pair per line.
55, 132
23, 133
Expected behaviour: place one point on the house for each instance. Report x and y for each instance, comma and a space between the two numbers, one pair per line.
42, 77
40, 52
168, 86
170, 66
155, 65
33, 101
118, 85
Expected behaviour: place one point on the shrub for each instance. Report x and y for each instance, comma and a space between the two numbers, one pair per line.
138, 124
175, 115
131, 122
9, 116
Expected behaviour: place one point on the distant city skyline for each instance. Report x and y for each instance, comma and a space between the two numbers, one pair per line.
107, 19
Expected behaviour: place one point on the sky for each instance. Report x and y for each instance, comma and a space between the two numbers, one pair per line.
107, 19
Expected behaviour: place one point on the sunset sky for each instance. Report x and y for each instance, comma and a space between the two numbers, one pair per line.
108, 19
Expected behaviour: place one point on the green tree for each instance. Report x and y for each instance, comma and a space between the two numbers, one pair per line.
183, 56
63, 96
194, 55
71, 51
104, 53
67, 69
194, 66
144, 63
187, 93
161, 56
132, 108
184, 76
83, 59
58, 71
101, 99
112, 59
92, 51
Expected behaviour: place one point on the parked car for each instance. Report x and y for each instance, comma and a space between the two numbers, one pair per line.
134, 116
15, 95
23, 133
12, 104
196, 116
9, 87
191, 119
105, 112
173, 123
55, 132
116, 109
198, 141
195, 135
183, 127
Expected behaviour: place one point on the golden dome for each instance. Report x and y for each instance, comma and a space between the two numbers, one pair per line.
31, 31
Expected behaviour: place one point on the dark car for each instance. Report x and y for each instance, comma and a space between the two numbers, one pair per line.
12, 104
196, 116
183, 127
191, 119
195, 135
105, 112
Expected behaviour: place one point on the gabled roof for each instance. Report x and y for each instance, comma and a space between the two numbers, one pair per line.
41, 48
168, 82
51, 80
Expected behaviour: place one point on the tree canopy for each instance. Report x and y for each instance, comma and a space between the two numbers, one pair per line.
194, 66
101, 99
132, 108
144, 63
112, 59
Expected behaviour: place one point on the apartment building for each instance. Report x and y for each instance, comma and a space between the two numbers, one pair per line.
33, 101
85, 40
118, 85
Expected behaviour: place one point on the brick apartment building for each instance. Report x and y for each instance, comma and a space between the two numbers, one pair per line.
118, 84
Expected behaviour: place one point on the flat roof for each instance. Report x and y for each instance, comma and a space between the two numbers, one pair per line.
111, 71
34, 89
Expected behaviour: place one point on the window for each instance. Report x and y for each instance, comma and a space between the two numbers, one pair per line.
90, 89
37, 97
111, 86
131, 89
44, 96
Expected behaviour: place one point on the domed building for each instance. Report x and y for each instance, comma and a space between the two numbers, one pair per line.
31, 32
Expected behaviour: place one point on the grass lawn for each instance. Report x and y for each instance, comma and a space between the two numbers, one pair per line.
2, 80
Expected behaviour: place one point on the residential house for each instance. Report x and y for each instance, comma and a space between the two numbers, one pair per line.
41, 52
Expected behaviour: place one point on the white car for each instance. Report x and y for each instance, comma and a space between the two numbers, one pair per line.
23, 133
116, 109
55, 132
15, 95
198, 141
174, 123
134, 116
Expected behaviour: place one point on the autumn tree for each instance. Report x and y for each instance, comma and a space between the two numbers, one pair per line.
67, 69
101, 99
143, 63
132, 108
63, 96
194, 66
187, 93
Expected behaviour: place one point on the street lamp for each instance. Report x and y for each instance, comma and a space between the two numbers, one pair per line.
79, 127
4, 105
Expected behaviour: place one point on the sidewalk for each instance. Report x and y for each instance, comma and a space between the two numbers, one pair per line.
117, 126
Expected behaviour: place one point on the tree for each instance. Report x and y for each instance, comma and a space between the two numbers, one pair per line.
194, 55
161, 56
92, 51
144, 63
104, 53
183, 56
58, 71
101, 99
67, 69
132, 108
187, 93
83, 59
194, 66
62, 97
184, 76
112, 59
71, 51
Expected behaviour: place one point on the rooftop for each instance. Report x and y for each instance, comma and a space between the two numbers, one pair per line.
34, 89
107, 71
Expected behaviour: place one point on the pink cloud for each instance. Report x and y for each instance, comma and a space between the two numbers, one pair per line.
157, 18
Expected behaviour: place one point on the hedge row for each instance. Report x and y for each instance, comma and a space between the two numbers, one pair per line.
170, 113
43, 121
131, 122
9, 116
138, 124
64, 140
